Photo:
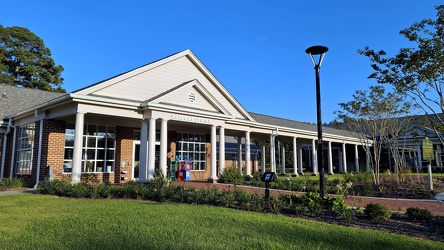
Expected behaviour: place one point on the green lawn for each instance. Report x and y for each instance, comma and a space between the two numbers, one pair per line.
49, 222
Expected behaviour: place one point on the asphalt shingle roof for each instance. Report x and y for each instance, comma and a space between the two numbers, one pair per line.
14, 99
276, 121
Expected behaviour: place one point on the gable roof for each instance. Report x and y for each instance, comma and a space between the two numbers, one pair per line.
14, 99
157, 78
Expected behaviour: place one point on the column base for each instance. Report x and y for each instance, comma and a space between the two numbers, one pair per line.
212, 180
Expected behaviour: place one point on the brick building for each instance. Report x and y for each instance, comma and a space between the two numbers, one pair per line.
128, 126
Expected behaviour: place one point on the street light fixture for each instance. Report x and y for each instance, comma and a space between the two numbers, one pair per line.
314, 51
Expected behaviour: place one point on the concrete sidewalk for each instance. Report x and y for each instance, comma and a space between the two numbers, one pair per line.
19, 191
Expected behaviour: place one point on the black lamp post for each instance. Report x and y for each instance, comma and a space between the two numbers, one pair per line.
313, 51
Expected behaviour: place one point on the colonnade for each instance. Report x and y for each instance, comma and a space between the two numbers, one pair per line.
147, 151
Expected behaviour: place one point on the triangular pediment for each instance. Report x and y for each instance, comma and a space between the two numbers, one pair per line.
167, 81
191, 95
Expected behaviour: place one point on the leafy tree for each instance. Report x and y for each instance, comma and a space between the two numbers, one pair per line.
26, 62
375, 117
417, 71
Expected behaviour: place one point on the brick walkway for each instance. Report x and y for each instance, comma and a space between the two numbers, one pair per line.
436, 207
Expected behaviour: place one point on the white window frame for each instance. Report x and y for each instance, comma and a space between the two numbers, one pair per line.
186, 145
25, 149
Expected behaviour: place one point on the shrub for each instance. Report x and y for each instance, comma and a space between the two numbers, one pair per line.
335, 204
55, 187
10, 183
102, 190
419, 214
275, 205
80, 190
377, 212
313, 202
231, 175
227, 198
159, 180
243, 198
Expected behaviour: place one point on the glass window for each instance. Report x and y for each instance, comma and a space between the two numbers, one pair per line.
191, 147
98, 147
25, 149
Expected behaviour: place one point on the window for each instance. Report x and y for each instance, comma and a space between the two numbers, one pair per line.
98, 148
25, 149
191, 147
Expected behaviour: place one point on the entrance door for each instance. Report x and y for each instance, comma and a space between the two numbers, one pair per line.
136, 158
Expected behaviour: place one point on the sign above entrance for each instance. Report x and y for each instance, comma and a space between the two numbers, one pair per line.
190, 119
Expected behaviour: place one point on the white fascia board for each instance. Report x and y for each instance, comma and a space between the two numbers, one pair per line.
298, 132
104, 101
131, 73
187, 111
218, 84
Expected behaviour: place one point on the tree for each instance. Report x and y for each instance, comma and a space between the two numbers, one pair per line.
26, 62
375, 117
418, 71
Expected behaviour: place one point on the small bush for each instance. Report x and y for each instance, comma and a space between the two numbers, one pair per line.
377, 212
335, 204
10, 183
243, 198
419, 214
231, 175
313, 202
55, 187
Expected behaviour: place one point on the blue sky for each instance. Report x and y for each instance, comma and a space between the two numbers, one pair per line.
255, 48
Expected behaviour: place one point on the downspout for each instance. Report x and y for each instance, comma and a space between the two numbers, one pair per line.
39, 156
5, 138
13, 152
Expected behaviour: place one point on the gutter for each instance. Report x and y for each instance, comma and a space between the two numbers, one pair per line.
5, 138
39, 157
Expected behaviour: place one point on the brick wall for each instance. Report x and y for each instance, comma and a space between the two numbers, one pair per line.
124, 153
53, 145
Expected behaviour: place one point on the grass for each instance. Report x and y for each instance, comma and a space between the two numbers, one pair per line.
49, 222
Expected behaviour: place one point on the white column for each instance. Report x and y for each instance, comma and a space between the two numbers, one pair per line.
283, 159
213, 153
263, 159
344, 159
300, 171
163, 146
239, 154
367, 159
295, 157
314, 157
330, 159
143, 158
272, 154
419, 157
247, 154
151, 148
221, 149
77, 152
356, 159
